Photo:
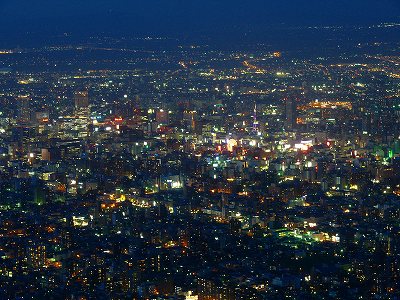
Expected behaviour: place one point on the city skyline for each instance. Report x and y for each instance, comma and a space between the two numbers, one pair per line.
199, 150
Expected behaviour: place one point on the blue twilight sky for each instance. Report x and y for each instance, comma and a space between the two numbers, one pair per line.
183, 17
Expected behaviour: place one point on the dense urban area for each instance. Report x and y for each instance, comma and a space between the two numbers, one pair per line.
193, 172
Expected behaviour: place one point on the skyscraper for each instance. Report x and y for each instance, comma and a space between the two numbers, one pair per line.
290, 113
81, 99
23, 106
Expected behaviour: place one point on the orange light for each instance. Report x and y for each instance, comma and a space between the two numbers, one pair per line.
277, 54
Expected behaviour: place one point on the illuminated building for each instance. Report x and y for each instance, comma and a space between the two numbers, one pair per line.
81, 100
162, 117
24, 112
36, 255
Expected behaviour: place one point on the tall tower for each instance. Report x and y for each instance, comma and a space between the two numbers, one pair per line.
23, 109
81, 99
224, 202
290, 113
82, 113
255, 122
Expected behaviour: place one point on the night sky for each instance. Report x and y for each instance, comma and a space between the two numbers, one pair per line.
183, 17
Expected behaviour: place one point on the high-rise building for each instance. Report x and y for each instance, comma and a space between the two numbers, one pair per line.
290, 113
255, 121
162, 117
124, 107
81, 99
189, 119
36, 255
23, 107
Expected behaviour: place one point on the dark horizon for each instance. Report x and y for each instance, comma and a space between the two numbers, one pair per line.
22, 20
